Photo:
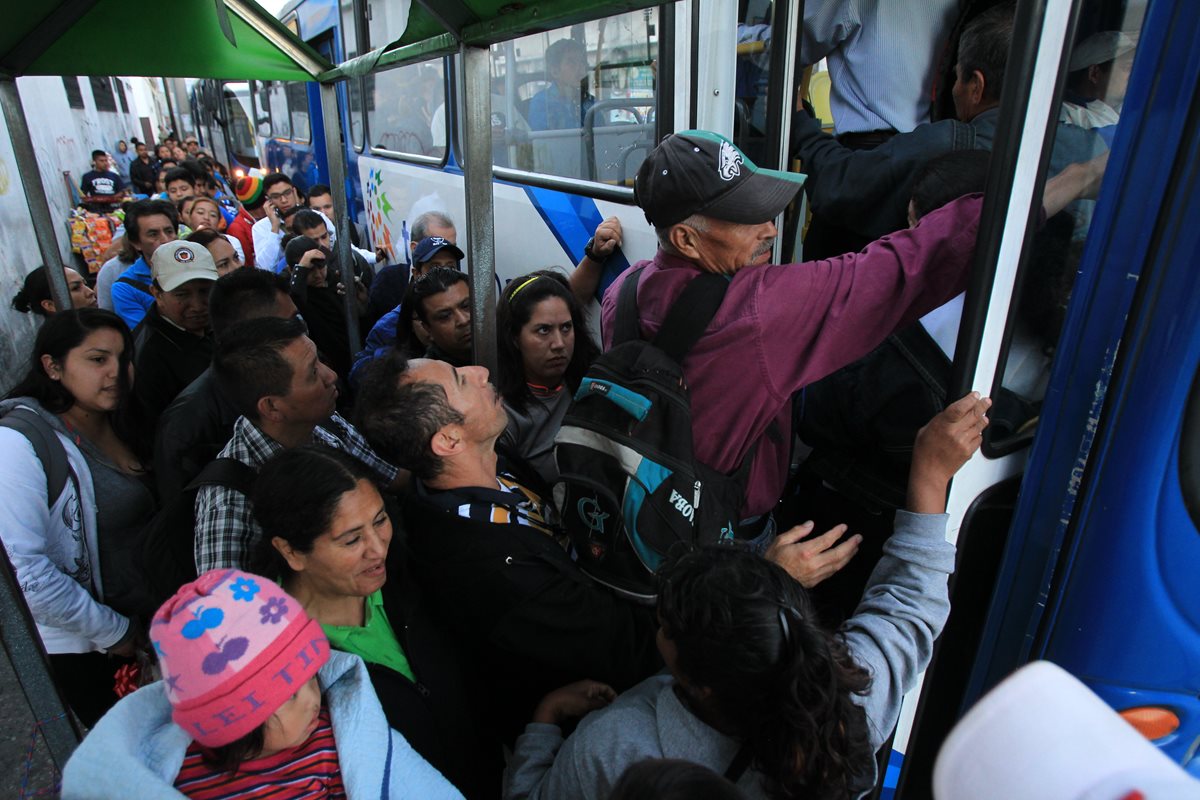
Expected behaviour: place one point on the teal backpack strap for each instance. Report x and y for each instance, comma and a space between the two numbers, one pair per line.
46, 445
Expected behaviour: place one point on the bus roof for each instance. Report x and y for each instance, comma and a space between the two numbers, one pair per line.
438, 28
234, 39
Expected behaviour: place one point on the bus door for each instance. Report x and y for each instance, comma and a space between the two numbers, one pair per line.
240, 142
1119, 606
1029, 297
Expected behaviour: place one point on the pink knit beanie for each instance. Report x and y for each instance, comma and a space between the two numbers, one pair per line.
233, 648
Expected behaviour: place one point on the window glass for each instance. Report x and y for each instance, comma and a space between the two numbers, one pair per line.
74, 94
102, 91
406, 109
386, 22
353, 85
120, 84
577, 102
261, 117
752, 79
237, 123
281, 125
297, 98
1099, 64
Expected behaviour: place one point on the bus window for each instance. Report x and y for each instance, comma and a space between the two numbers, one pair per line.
406, 110
753, 74
578, 102
353, 85
237, 124
297, 101
277, 108
1089, 113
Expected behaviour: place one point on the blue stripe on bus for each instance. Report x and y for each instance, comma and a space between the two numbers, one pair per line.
573, 219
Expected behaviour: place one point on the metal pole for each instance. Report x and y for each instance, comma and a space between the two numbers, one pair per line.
23, 646
335, 157
477, 178
35, 192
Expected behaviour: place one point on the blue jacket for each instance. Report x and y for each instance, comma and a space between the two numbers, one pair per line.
130, 302
379, 341
136, 750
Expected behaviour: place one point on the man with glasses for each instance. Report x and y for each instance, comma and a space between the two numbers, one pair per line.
281, 200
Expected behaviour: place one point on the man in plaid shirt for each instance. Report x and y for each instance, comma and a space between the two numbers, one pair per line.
269, 368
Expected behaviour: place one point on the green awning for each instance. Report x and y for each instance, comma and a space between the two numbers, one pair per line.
227, 39
437, 27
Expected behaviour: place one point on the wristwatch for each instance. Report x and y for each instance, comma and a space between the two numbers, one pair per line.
587, 251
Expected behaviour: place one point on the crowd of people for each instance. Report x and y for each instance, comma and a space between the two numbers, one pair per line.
340, 573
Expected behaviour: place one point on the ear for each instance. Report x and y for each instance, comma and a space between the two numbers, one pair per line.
448, 441
50, 308
158, 294
976, 87
420, 324
684, 239
268, 408
296, 561
51, 368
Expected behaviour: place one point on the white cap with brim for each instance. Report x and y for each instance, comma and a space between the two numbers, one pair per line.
1099, 48
1042, 735
175, 263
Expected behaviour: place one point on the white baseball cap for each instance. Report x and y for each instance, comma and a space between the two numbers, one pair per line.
1099, 48
175, 263
1042, 735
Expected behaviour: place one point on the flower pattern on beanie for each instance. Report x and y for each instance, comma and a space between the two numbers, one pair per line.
244, 589
205, 618
273, 610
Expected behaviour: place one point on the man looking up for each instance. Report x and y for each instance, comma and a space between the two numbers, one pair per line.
490, 551
148, 224
172, 345
780, 327
269, 368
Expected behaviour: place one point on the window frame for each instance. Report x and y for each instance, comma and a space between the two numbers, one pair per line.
103, 95
399, 155
301, 89
74, 91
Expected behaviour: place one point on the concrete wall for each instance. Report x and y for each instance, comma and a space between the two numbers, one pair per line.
63, 139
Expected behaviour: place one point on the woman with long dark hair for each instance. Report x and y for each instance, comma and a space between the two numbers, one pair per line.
34, 296
77, 392
544, 350
327, 537
758, 689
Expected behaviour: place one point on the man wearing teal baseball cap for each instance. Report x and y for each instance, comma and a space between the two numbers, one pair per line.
778, 327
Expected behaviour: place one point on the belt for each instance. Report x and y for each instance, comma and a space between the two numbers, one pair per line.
865, 140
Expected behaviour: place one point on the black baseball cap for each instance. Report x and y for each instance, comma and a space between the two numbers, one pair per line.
701, 172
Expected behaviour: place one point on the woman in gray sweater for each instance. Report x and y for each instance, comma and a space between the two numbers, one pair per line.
757, 690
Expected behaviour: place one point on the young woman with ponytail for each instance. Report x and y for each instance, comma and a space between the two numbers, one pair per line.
758, 690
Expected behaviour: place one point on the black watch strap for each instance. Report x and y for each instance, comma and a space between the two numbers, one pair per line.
587, 251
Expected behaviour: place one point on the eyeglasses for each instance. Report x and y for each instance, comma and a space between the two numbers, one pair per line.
277, 196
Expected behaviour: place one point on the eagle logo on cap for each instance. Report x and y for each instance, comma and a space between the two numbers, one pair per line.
730, 164
183, 255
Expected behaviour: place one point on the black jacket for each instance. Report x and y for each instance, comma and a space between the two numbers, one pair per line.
435, 714
191, 432
527, 618
143, 176
166, 360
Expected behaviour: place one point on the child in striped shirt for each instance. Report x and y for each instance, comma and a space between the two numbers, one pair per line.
252, 704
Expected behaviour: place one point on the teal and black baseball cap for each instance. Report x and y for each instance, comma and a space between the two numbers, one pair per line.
701, 172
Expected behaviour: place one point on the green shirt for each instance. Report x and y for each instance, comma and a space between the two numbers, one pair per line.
374, 642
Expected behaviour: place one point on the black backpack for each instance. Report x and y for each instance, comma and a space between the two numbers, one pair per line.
630, 488
168, 540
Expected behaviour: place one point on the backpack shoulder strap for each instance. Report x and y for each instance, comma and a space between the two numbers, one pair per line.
690, 314
228, 472
626, 320
144, 287
49, 449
